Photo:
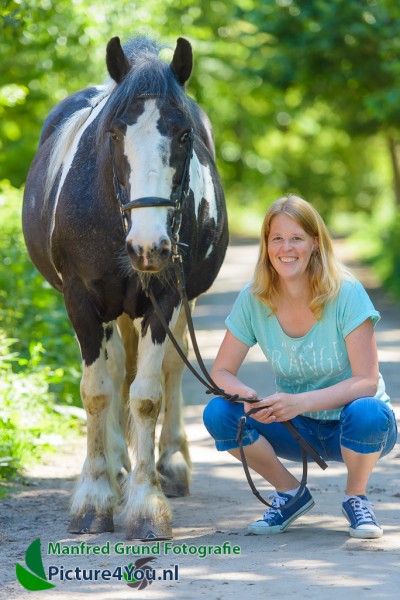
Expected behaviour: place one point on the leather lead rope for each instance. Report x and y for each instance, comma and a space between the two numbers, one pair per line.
253, 488
175, 201
212, 388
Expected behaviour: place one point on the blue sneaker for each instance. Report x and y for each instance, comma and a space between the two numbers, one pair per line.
276, 520
363, 524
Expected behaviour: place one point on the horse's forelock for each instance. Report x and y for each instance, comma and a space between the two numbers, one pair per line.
141, 47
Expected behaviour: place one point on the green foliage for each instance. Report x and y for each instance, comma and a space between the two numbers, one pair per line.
375, 240
288, 86
383, 251
39, 359
43, 45
388, 261
29, 422
31, 311
346, 53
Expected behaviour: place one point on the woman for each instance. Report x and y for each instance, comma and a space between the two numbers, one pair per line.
315, 325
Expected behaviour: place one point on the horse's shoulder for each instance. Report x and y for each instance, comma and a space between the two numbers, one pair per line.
64, 109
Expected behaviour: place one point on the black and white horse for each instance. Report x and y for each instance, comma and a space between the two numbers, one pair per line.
137, 138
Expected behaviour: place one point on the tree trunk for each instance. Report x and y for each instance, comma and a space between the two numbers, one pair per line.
394, 150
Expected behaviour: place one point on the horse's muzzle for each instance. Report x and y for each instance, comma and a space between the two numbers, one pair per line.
149, 259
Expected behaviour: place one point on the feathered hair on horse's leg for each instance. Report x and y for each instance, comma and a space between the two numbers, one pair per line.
174, 463
129, 339
116, 445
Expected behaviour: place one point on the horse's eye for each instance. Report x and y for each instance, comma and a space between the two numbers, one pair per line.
114, 136
184, 137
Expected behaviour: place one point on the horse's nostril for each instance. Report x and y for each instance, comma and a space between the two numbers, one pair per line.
134, 249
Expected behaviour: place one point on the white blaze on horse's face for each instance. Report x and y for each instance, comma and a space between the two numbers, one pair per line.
148, 154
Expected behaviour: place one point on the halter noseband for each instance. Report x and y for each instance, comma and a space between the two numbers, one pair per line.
147, 201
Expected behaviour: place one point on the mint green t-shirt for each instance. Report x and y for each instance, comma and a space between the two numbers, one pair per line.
317, 360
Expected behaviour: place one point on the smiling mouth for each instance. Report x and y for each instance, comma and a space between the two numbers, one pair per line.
287, 260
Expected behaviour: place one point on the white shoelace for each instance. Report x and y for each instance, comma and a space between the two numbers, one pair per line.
362, 508
277, 501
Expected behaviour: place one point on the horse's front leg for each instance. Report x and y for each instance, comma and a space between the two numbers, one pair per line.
147, 512
117, 416
174, 463
97, 489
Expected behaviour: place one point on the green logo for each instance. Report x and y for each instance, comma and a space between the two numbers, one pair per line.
36, 580
141, 583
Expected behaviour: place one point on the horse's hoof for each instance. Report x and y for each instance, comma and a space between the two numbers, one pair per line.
148, 531
92, 522
175, 489
174, 484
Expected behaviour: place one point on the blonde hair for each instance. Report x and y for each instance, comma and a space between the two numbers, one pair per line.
325, 271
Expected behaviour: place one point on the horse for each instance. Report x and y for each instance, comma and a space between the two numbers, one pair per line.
124, 181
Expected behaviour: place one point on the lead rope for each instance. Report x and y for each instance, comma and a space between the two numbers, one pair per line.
212, 388
176, 201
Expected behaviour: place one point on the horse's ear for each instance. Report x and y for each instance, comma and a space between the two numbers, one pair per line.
182, 62
117, 63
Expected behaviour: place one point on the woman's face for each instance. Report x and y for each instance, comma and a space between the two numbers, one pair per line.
289, 247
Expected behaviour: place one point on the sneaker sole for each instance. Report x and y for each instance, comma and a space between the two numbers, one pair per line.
254, 528
363, 534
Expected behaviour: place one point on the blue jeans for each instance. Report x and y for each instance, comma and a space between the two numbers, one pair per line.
366, 425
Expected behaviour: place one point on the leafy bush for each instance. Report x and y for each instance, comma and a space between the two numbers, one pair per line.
39, 359
31, 311
387, 262
29, 421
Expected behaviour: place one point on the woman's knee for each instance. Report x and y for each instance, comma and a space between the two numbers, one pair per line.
217, 417
368, 413
366, 421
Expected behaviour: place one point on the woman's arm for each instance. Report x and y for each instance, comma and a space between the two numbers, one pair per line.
230, 356
363, 357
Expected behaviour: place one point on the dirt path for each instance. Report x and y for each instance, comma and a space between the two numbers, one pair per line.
315, 558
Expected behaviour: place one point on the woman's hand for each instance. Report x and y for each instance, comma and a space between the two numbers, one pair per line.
278, 407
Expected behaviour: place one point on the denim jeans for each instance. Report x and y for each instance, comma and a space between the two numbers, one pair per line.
366, 425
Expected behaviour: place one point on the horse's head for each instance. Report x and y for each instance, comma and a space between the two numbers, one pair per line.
150, 135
